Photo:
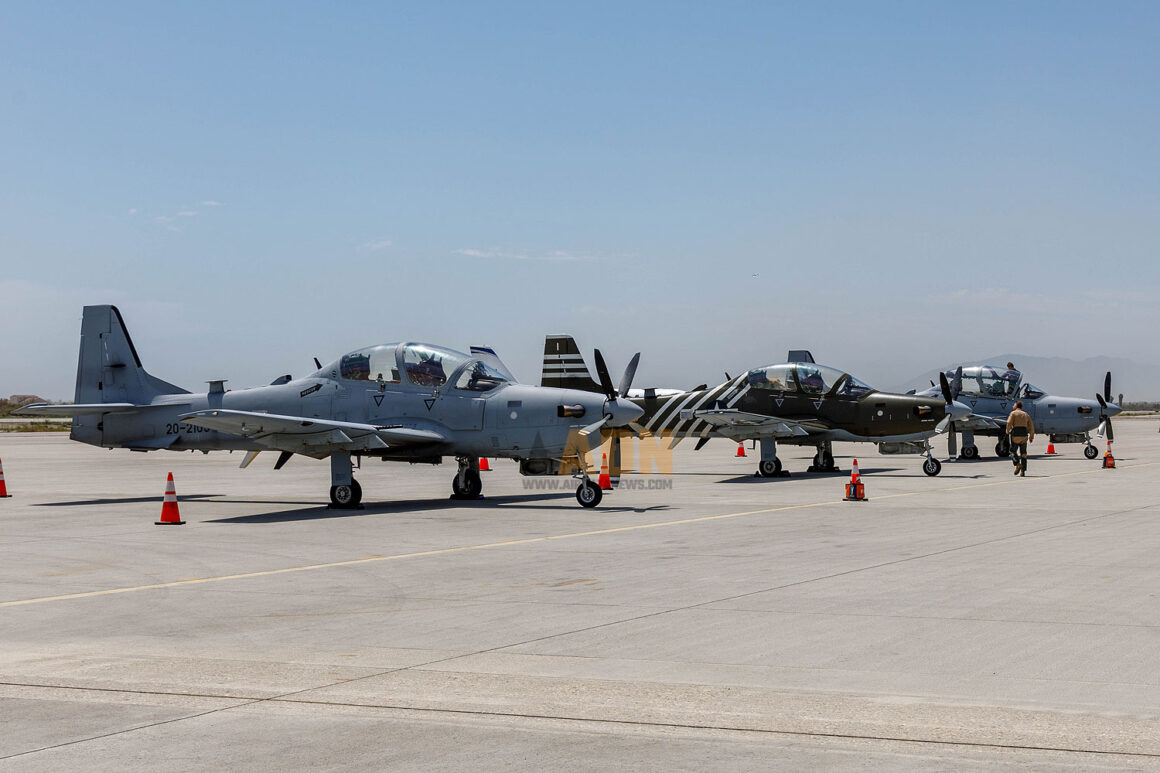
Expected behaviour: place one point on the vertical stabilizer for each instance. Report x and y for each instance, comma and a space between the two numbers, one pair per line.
564, 365
108, 368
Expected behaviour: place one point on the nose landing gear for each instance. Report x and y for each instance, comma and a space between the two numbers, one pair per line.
467, 484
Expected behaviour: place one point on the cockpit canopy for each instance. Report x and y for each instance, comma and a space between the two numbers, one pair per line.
421, 365
808, 377
989, 381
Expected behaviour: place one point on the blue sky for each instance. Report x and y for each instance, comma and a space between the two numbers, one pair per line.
894, 185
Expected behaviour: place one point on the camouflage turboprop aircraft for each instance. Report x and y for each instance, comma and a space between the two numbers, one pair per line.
406, 402
797, 402
991, 393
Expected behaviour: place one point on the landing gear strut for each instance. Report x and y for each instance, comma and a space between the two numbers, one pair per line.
345, 493
466, 484
931, 466
969, 450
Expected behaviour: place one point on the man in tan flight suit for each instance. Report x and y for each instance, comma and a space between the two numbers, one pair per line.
1022, 431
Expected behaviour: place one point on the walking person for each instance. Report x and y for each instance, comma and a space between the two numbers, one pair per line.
1021, 430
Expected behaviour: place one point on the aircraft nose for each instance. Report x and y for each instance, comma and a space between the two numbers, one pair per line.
958, 411
1113, 409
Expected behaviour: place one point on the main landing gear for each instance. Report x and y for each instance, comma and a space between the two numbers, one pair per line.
969, 452
345, 492
1003, 448
770, 465
824, 459
466, 484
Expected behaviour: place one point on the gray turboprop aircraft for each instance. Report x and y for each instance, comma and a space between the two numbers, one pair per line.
406, 402
991, 393
798, 402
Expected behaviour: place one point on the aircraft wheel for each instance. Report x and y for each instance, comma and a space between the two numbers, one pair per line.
932, 466
346, 497
589, 494
970, 452
769, 468
471, 488
1002, 449
1091, 452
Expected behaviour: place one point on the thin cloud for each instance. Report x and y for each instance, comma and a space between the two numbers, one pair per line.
553, 256
187, 213
132, 210
381, 244
162, 219
212, 203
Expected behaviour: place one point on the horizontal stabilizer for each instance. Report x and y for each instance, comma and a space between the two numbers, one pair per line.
87, 409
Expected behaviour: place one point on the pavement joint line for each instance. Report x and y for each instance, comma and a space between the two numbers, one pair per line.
251, 702
530, 540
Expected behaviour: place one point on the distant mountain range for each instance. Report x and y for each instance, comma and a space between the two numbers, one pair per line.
1061, 376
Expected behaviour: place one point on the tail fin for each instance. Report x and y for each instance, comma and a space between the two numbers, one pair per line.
108, 368
564, 365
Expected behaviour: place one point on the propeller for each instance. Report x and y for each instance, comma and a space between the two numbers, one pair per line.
950, 391
1104, 399
618, 411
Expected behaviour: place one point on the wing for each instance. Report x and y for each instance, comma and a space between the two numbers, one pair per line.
308, 436
756, 424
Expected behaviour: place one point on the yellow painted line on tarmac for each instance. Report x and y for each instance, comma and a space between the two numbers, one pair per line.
527, 541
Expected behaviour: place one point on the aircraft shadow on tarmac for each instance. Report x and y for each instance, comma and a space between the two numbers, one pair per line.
123, 501
319, 512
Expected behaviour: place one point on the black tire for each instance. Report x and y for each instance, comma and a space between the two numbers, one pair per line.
769, 468
1091, 452
970, 452
1002, 449
932, 466
346, 497
588, 494
472, 486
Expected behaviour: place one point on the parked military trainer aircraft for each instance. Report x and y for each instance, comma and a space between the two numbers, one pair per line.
799, 402
407, 402
991, 393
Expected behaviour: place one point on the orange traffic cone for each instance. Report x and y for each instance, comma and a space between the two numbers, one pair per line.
1051, 449
170, 516
1109, 460
740, 451
483, 465
855, 490
3, 489
605, 480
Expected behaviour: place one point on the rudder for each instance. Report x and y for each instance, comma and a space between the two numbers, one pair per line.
108, 368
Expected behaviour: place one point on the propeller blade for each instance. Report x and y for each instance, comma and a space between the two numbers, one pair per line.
941, 427
629, 373
605, 379
701, 444
594, 426
1103, 403
1100, 429
946, 388
1111, 435
282, 459
953, 441
1108, 386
